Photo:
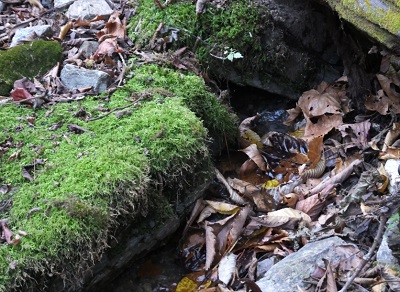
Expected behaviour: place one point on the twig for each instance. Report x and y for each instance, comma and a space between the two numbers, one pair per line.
113, 110
367, 258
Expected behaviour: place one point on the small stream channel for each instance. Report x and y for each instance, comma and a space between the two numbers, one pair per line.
162, 269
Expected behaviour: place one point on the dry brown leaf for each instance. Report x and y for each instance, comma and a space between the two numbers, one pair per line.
385, 101
255, 155
64, 30
391, 136
287, 217
115, 27
314, 204
14, 156
205, 213
250, 172
390, 153
314, 104
322, 126
355, 135
263, 201
107, 48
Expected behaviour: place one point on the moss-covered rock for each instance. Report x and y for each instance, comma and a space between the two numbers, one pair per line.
27, 60
378, 19
85, 185
265, 44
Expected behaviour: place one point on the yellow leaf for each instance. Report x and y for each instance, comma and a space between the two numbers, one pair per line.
186, 285
253, 138
223, 208
270, 184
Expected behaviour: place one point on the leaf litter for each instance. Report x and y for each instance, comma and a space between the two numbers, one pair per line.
295, 189
290, 191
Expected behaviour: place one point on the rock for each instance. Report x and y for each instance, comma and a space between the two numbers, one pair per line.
31, 33
385, 256
74, 77
61, 4
378, 19
392, 167
27, 60
1, 6
264, 265
297, 52
290, 272
89, 9
88, 48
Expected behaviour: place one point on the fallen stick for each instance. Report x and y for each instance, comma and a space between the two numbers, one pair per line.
338, 178
367, 258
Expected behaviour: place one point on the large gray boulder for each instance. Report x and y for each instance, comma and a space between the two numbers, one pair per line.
289, 274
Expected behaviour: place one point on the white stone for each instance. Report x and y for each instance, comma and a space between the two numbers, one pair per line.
89, 9
61, 4
39, 32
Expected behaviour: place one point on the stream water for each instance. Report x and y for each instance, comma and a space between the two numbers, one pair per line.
162, 269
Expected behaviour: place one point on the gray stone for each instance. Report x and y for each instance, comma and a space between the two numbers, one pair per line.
88, 48
74, 77
290, 272
31, 33
61, 4
89, 9
1, 6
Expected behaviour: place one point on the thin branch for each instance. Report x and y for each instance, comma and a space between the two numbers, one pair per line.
368, 257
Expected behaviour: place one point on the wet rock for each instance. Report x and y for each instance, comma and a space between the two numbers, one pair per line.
290, 272
74, 77
31, 33
89, 9
297, 51
61, 4
88, 48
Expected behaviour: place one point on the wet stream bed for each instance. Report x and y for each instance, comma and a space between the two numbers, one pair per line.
163, 268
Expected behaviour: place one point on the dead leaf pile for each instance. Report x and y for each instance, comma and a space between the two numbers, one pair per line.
290, 190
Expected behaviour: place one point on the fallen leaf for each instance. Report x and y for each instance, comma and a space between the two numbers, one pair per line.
223, 208
255, 155
227, 268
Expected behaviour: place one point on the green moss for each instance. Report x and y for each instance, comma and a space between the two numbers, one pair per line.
195, 95
382, 25
388, 19
27, 60
235, 26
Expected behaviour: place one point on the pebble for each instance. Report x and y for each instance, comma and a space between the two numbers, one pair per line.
89, 9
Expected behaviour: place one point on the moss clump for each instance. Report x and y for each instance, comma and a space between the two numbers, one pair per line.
28, 60
89, 181
233, 26
164, 82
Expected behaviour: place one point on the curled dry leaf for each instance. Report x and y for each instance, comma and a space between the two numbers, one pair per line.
223, 208
15, 155
287, 217
255, 155
314, 204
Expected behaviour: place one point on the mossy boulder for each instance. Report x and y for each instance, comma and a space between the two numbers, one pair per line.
379, 19
280, 46
27, 60
87, 186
